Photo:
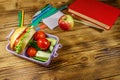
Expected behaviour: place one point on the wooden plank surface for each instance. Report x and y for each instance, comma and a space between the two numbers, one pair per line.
87, 53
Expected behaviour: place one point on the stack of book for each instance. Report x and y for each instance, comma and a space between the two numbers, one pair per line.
95, 13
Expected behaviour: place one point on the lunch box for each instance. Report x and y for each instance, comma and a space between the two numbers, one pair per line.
23, 55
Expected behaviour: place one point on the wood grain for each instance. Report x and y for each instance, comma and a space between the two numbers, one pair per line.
87, 53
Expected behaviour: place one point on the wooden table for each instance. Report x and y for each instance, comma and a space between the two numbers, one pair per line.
87, 53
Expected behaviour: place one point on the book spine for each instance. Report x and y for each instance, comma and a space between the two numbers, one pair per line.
78, 16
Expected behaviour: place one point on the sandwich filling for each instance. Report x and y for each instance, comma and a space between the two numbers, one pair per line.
19, 38
20, 43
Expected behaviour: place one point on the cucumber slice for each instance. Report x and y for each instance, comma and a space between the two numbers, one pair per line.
51, 48
42, 56
40, 59
52, 40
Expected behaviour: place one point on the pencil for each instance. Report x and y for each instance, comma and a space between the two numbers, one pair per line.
22, 20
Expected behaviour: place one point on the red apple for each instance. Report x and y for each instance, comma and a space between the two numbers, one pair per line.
66, 22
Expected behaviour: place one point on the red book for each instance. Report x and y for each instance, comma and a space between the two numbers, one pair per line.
95, 12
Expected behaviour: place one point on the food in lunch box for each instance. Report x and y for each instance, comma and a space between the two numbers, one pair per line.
42, 56
53, 42
43, 43
31, 51
39, 34
41, 46
20, 38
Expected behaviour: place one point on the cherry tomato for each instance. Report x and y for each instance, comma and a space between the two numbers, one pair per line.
39, 34
43, 43
31, 51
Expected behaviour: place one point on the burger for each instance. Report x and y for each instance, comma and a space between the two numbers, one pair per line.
20, 38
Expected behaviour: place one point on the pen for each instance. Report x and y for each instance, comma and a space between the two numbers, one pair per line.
42, 13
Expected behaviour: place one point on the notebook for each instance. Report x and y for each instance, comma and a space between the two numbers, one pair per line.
52, 21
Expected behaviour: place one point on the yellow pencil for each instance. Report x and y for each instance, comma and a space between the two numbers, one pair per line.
22, 21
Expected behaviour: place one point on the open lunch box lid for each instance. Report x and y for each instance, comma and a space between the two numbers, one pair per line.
23, 55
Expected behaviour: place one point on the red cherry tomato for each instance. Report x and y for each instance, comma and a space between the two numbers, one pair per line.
43, 43
39, 34
31, 51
